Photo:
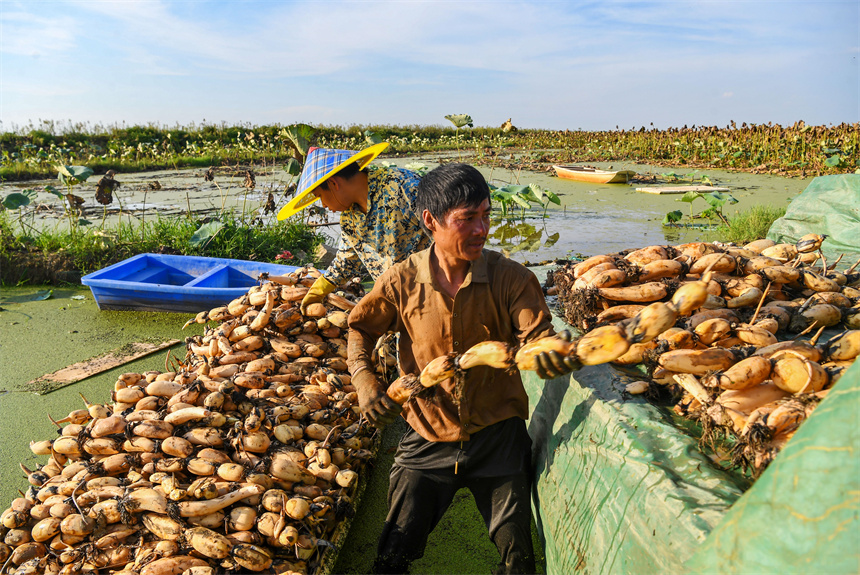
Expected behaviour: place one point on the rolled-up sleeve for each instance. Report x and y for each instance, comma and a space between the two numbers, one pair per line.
375, 315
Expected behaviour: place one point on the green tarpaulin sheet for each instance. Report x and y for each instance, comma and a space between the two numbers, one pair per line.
830, 205
622, 487
803, 514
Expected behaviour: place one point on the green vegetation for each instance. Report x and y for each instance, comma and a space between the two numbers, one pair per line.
33, 151
89, 249
523, 196
749, 225
766, 148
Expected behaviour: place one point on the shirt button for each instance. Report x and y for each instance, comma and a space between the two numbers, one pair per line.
456, 343
455, 315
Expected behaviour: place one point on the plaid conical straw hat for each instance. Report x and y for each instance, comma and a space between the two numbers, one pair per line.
321, 164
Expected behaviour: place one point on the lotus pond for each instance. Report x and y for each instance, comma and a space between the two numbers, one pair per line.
63, 326
589, 218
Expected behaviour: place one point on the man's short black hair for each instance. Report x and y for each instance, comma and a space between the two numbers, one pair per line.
448, 187
346, 173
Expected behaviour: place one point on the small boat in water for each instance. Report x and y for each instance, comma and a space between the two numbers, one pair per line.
169, 283
680, 189
593, 175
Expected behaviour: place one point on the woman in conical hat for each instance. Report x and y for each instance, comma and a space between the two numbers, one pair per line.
377, 218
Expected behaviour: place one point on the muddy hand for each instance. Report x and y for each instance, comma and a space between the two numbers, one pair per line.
376, 406
551, 364
382, 411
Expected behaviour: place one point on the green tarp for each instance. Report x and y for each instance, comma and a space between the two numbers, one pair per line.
803, 514
622, 487
619, 488
830, 205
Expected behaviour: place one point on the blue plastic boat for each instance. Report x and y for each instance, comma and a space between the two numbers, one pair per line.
156, 282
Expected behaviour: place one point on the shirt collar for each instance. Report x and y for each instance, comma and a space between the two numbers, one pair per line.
477, 272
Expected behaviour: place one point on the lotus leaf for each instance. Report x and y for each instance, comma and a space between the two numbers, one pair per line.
16, 200
718, 199
299, 136
833, 161
71, 175
205, 233
292, 167
460, 120
673, 217
521, 200
551, 240
372, 138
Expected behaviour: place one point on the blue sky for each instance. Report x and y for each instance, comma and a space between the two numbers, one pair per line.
558, 65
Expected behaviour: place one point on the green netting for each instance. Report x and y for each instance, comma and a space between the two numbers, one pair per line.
801, 516
830, 205
619, 487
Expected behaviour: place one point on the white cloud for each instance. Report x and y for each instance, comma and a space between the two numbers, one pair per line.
159, 40
26, 34
322, 38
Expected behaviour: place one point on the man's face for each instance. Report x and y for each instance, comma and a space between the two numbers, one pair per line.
463, 231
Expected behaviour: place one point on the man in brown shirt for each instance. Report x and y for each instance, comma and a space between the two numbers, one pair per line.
448, 298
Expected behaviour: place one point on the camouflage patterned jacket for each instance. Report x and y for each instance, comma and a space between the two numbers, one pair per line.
389, 232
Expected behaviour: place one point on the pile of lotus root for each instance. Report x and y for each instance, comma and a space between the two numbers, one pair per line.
732, 352
243, 459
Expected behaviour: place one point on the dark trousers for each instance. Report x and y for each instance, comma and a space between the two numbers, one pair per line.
418, 498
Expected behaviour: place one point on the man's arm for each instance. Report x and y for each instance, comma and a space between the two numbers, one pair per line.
528, 309
360, 347
375, 315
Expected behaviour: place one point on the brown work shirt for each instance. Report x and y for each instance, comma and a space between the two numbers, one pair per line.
499, 300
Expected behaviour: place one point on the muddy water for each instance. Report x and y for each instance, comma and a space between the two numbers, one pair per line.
593, 218
146, 195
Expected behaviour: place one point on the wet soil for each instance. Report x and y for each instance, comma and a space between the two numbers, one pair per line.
30, 266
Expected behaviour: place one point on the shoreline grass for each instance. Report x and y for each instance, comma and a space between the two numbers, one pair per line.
749, 225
